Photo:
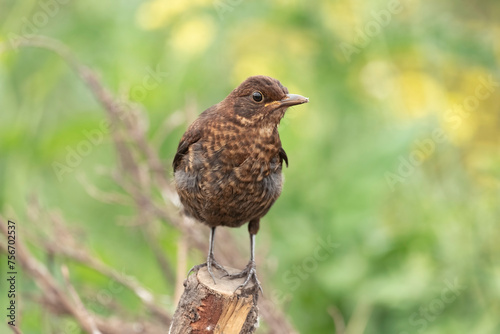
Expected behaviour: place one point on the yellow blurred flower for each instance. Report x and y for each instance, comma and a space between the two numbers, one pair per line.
458, 129
418, 94
341, 16
470, 106
193, 36
261, 50
155, 14
378, 78
254, 64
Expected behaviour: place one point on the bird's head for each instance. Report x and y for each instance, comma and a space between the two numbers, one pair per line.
261, 100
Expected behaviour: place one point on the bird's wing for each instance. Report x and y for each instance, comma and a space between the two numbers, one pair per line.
188, 139
194, 133
283, 156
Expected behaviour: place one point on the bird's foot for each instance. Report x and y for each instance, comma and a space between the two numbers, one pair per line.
209, 264
250, 272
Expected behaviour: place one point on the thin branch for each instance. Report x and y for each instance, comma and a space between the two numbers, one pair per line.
338, 319
100, 195
359, 319
181, 268
15, 329
163, 262
85, 315
171, 122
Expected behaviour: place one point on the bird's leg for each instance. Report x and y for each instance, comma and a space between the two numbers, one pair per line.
210, 258
251, 269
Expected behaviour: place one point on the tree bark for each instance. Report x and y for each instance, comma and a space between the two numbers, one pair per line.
206, 307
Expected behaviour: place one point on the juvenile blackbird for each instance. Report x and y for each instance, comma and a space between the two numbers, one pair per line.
227, 168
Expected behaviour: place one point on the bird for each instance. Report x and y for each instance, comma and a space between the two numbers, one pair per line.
228, 164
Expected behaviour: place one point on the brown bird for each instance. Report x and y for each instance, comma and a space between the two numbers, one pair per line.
227, 168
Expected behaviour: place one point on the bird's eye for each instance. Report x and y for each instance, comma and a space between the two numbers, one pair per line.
257, 96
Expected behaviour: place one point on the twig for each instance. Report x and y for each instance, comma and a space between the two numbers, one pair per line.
102, 196
171, 122
359, 319
15, 329
181, 268
85, 315
163, 262
338, 319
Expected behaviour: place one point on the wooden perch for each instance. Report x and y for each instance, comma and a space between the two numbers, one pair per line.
206, 307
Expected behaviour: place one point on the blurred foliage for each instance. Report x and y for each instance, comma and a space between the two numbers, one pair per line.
396, 158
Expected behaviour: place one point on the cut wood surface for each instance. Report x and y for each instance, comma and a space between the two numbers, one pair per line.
206, 307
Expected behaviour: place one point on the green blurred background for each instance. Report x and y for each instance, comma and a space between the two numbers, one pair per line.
395, 160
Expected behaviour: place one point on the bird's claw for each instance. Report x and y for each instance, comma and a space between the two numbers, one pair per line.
196, 268
249, 272
209, 264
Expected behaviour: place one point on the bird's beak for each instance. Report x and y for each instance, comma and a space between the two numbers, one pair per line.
293, 99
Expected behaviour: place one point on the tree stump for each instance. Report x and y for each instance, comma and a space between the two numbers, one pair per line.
206, 307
